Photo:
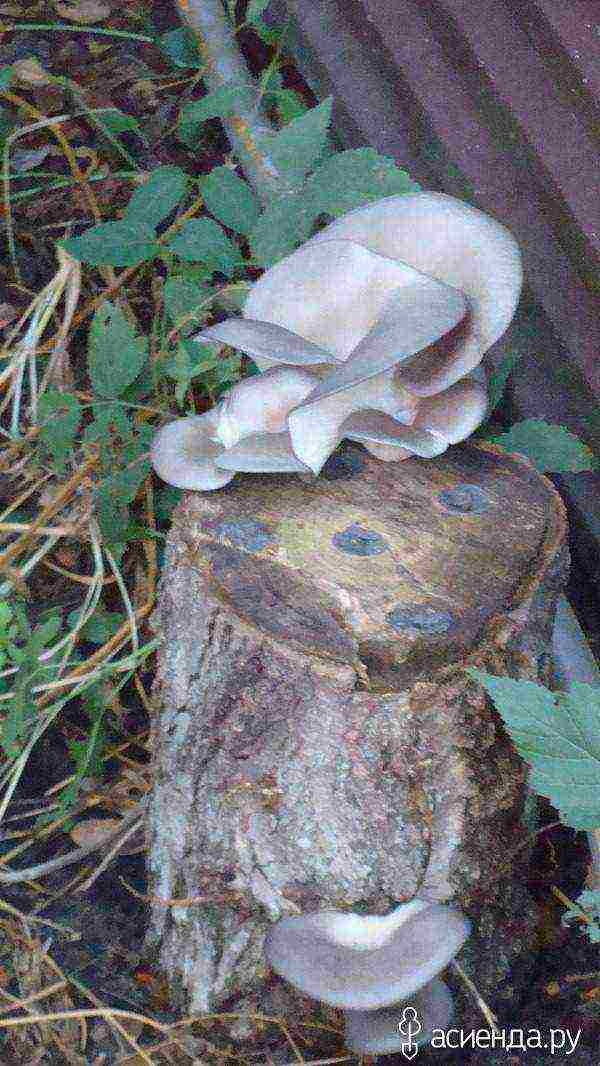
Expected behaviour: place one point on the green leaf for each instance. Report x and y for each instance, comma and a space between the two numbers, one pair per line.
180, 47
498, 378
100, 627
296, 148
189, 361
114, 244
230, 199
352, 178
157, 197
558, 734
288, 103
6, 75
220, 103
119, 122
549, 447
115, 354
182, 298
282, 227
269, 34
59, 415
254, 10
203, 239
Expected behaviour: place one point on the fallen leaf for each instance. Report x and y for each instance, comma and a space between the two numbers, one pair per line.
8, 313
93, 830
85, 11
30, 72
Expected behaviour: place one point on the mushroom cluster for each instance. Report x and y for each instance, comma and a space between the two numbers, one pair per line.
373, 330
369, 966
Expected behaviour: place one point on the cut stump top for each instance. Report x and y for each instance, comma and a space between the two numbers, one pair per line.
394, 566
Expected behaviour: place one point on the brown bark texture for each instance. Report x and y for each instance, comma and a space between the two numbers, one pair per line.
316, 741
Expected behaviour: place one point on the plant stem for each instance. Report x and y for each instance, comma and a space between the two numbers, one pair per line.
225, 64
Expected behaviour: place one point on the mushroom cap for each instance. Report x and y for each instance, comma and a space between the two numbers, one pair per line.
303, 951
261, 403
266, 342
376, 1032
374, 427
331, 292
262, 453
446, 239
183, 453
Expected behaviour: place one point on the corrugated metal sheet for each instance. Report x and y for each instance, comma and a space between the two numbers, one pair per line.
499, 103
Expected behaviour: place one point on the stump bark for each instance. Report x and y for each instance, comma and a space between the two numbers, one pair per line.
316, 740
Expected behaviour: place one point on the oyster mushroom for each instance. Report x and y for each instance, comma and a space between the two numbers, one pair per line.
393, 307
366, 964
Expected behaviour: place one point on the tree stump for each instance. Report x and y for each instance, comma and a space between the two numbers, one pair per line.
316, 741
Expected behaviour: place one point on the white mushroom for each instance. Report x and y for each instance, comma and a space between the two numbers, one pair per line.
363, 963
392, 307
416, 313
268, 344
446, 239
261, 404
262, 453
183, 453
381, 1032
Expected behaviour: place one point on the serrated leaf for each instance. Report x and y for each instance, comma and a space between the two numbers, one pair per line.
558, 734
123, 243
119, 122
157, 197
203, 239
282, 227
180, 47
59, 415
230, 200
182, 298
549, 447
115, 354
295, 149
352, 178
498, 378
219, 103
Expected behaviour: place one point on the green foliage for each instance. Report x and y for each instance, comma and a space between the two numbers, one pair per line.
117, 122
340, 183
499, 377
254, 11
60, 416
295, 149
549, 447
122, 243
20, 647
230, 199
284, 224
115, 354
558, 734
157, 197
352, 178
179, 46
589, 902
6, 75
86, 754
100, 627
204, 240
182, 298
189, 361
220, 103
